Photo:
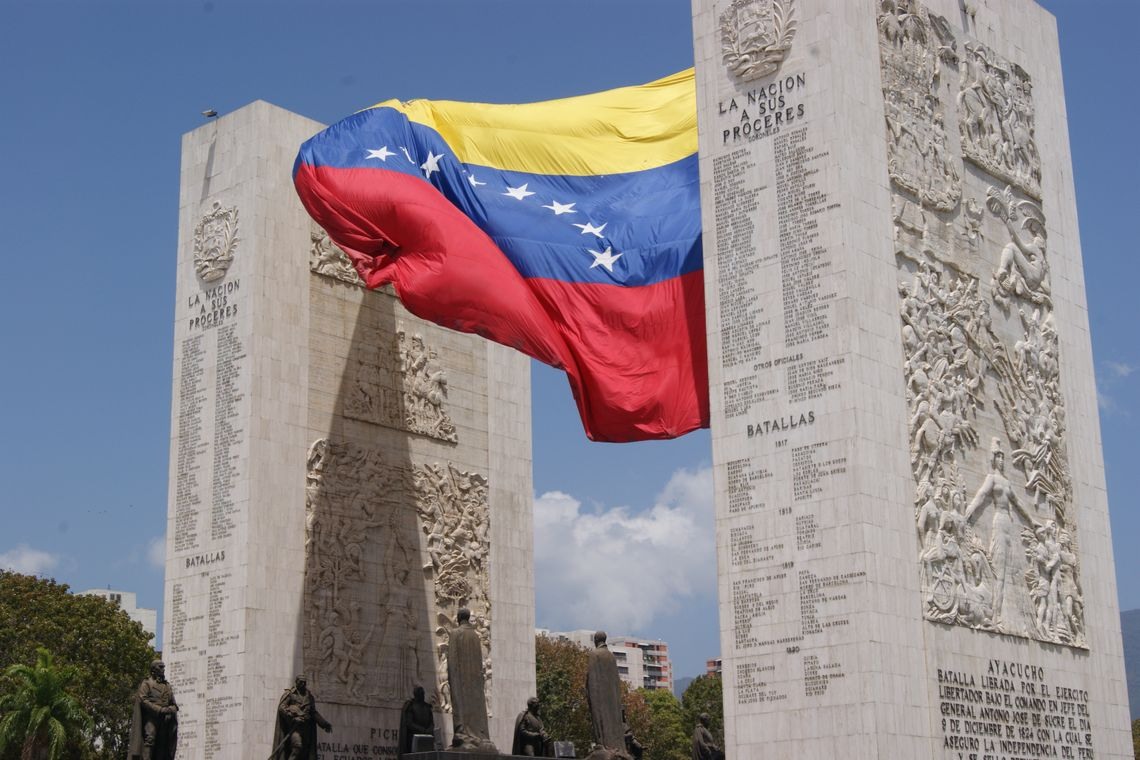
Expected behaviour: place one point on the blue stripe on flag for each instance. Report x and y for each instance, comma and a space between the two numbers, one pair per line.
656, 212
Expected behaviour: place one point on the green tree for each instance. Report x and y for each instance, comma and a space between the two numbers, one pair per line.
40, 714
669, 736
560, 675
110, 653
1136, 738
638, 716
705, 695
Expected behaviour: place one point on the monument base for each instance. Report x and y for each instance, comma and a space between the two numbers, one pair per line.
460, 754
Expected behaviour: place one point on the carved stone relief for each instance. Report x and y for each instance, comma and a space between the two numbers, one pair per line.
455, 521
994, 513
996, 120
215, 240
756, 35
369, 560
375, 390
326, 258
1023, 270
425, 389
359, 554
921, 157
399, 382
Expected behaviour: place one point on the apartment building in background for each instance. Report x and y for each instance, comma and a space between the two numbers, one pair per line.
642, 663
128, 603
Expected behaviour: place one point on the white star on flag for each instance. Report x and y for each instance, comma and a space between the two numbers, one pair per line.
408, 155
605, 258
381, 154
589, 228
432, 164
518, 193
561, 208
474, 182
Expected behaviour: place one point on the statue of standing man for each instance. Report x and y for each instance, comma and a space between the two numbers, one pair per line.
297, 721
468, 695
603, 692
154, 723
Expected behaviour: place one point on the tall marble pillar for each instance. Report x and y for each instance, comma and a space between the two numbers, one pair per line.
343, 476
912, 527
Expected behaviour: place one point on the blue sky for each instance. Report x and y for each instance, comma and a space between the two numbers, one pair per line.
94, 99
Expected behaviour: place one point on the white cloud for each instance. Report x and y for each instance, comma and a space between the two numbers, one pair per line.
619, 569
24, 559
156, 552
1120, 369
1109, 404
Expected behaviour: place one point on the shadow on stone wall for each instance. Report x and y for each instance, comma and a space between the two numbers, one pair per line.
367, 629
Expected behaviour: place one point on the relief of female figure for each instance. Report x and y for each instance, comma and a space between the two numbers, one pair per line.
1004, 534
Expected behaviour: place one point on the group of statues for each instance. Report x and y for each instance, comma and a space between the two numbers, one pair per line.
154, 728
613, 739
154, 723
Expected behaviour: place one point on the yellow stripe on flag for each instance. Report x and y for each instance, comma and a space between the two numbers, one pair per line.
628, 129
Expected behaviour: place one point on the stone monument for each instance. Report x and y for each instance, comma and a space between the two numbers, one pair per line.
912, 525
343, 476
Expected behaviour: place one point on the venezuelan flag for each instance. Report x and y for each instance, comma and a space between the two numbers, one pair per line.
568, 229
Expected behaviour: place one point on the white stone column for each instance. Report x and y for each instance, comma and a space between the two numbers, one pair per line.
323, 442
865, 348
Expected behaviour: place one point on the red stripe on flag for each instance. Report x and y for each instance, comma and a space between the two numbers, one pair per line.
399, 229
635, 357
641, 352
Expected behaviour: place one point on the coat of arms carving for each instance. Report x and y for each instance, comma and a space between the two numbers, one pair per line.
756, 36
215, 238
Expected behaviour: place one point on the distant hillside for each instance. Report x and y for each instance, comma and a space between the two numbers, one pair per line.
1130, 631
680, 684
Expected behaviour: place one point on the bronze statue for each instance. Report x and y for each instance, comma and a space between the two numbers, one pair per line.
416, 718
297, 721
704, 748
465, 678
154, 722
603, 693
531, 739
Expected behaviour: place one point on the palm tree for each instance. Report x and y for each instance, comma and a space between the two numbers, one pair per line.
40, 714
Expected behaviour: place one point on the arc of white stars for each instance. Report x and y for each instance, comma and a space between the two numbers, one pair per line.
381, 153
561, 208
605, 258
518, 193
589, 229
432, 164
